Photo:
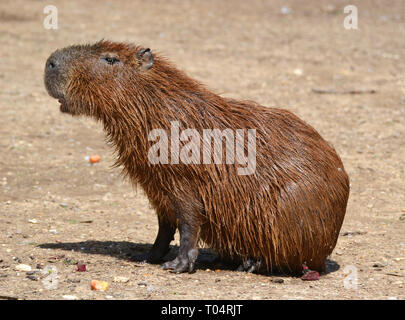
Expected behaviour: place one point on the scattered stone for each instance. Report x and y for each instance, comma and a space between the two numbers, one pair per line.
73, 280
63, 205
40, 265
121, 279
69, 297
298, 72
380, 265
33, 221
285, 10
32, 277
402, 217
142, 284
22, 267
56, 258
277, 280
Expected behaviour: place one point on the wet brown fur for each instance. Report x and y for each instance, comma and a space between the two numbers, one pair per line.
287, 213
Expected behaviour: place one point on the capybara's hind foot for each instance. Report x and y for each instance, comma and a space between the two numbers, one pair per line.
182, 264
250, 265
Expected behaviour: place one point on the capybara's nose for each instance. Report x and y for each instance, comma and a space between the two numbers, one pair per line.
52, 65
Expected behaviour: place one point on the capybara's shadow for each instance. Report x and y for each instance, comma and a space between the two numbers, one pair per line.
138, 252
130, 251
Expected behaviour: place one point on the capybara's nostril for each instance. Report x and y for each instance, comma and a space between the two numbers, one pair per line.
52, 64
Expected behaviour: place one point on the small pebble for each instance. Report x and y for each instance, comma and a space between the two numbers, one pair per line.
121, 279
22, 267
33, 278
285, 10
379, 265
298, 72
69, 297
73, 280
277, 280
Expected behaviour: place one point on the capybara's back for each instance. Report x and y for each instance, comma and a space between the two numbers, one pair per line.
282, 208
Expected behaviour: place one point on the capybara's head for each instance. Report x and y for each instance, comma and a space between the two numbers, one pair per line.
92, 79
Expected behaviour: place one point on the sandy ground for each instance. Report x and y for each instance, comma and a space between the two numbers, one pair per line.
274, 52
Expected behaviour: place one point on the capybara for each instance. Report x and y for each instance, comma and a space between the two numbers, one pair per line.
285, 213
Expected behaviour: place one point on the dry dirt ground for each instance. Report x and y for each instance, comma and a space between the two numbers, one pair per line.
274, 52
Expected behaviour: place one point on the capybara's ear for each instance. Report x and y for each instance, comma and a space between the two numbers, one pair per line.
145, 58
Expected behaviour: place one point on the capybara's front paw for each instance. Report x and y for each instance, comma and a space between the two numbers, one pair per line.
182, 263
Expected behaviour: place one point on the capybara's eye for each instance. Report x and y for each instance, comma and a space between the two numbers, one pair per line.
111, 60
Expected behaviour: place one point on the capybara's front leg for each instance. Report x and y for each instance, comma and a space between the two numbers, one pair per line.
188, 252
165, 236
188, 214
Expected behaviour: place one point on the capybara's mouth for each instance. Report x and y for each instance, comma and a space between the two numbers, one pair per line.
63, 105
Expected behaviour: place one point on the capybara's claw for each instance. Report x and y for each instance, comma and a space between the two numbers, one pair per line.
177, 265
250, 265
180, 264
